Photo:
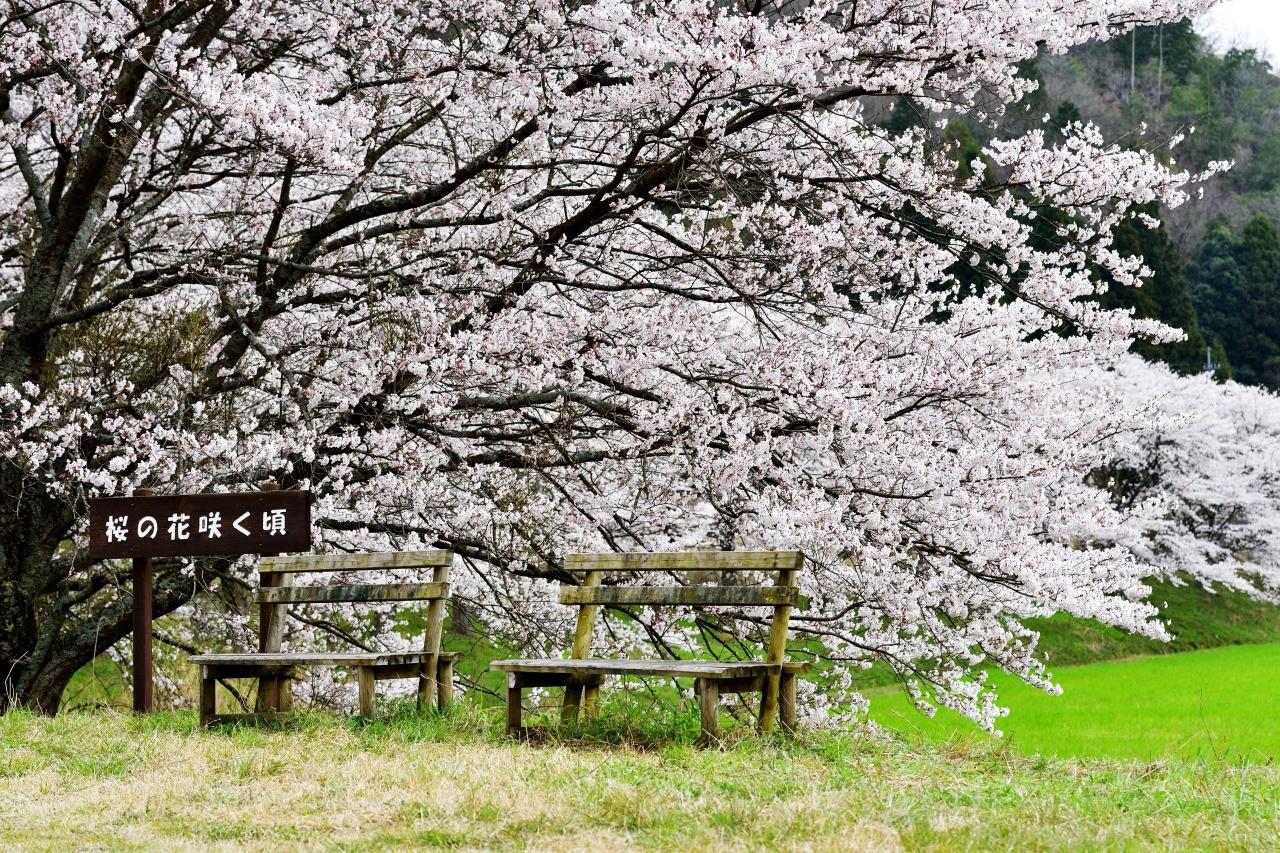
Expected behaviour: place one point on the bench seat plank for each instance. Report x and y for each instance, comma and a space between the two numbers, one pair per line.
655, 668
320, 658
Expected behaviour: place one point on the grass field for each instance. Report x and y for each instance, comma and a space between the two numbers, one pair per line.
1198, 619
1207, 705
109, 781
1166, 751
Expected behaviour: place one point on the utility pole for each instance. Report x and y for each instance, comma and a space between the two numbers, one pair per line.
1160, 67
1210, 366
1133, 62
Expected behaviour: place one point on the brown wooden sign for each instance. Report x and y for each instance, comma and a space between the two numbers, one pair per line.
200, 525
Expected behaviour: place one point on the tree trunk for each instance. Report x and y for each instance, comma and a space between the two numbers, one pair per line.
27, 517
53, 621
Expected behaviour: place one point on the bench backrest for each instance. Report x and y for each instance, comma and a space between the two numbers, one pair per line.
591, 595
276, 589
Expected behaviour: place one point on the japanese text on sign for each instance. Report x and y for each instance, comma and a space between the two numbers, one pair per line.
209, 525
181, 525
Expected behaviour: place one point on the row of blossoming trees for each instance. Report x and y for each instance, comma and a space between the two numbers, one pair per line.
523, 278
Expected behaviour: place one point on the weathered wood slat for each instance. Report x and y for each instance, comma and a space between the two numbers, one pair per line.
742, 685
356, 562
281, 671
656, 668
397, 671
587, 671
319, 659
678, 595
725, 561
357, 592
549, 679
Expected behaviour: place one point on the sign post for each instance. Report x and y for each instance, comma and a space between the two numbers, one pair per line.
144, 692
274, 694
146, 526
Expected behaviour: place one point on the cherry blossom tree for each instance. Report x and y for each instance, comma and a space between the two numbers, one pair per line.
1202, 479
523, 278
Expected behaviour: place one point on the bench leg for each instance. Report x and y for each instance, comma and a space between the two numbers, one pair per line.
429, 685
769, 703
444, 689
208, 695
268, 698
572, 699
787, 703
590, 697
284, 695
514, 710
275, 695
364, 679
709, 703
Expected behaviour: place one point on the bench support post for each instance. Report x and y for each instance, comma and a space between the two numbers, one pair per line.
787, 703
444, 687
514, 711
581, 651
777, 651
708, 690
208, 695
274, 694
429, 694
572, 699
364, 677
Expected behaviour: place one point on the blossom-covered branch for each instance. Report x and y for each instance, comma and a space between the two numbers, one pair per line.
530, 277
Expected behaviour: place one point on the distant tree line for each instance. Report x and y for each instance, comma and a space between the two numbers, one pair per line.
1234, 281
1215, 264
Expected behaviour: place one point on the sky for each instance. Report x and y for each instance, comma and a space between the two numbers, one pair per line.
1245, 23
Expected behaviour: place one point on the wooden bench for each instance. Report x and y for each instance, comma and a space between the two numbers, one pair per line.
774, 678
274, 669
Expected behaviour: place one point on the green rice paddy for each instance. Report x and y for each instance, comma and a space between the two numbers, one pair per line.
1218, 704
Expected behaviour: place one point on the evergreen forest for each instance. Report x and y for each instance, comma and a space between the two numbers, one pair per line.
1215, 262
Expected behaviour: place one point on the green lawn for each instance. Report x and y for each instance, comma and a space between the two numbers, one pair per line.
1166, 751
1220, 703
108, 781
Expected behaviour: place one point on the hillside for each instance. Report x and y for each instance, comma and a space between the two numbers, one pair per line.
1198, 618
1216, 261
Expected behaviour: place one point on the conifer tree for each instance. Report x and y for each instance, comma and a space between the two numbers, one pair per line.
1217, 288
1164, 296
1259, 258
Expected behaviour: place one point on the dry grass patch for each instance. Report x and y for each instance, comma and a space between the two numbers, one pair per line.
110, 781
